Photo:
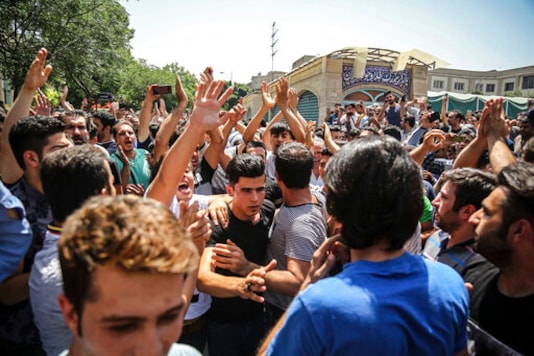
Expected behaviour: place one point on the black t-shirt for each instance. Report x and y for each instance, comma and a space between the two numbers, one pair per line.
252, 239
505, 318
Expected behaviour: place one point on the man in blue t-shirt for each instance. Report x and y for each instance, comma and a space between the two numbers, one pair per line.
386, 300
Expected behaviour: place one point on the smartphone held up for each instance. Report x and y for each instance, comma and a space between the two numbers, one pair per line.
162, 89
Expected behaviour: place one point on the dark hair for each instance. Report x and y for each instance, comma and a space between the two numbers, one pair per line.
254, 144
410, 120
105, 118
31, 134
458, 114
278, 128
528, 150
115, 128
75, 113
294, 165
72, 175
519, 186
326, 152
375, 191
471, 186
393, 131
244, 165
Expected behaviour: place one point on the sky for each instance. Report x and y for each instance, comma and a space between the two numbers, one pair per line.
234, 36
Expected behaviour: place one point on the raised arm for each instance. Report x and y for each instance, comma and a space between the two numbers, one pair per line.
328, 141
470, 155
267, 104
293, 122
145, 115
205, 116
63, 100
432, 142
36, 77
170, 122
495, 128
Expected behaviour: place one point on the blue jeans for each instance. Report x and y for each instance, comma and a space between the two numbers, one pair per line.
240, 338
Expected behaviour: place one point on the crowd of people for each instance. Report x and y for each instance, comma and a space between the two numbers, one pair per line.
385, 229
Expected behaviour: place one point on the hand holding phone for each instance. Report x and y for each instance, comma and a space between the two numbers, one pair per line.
162, 89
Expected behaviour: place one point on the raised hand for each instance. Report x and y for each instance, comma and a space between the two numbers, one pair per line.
494, 123
293, 99
268, 101
42, 104
180, 94
235, 114
324, 259
208, 104
38, 72
282, 92
150, 97
434, 140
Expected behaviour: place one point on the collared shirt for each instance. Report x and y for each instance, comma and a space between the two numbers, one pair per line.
46, 284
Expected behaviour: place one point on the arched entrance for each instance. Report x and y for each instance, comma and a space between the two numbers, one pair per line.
309, 106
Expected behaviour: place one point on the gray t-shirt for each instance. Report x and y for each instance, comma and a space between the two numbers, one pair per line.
296, 233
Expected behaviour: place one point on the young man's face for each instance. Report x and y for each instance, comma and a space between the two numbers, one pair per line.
186, 186
131, 313
248, 195
99, 129
257, 151
279, 139
56, 142
446, 217
125, 137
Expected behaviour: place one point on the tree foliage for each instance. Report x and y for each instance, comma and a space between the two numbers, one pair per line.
87, 41
88, 45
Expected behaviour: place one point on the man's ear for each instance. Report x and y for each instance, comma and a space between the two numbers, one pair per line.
31, 159
520, 230
466, 211
70, 316
229, 190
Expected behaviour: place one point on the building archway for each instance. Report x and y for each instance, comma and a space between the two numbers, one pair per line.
309, 106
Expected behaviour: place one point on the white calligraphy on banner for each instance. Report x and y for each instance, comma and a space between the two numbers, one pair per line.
378, 75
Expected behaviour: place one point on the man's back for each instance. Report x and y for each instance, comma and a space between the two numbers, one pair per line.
402, 306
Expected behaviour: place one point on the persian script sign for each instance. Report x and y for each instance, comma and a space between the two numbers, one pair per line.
378, 75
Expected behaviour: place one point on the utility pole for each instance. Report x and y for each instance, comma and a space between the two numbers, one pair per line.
273, 52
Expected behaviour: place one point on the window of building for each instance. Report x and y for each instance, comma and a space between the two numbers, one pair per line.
490, 88
508, 86
459, 86
479, 86
437, 84
528, 82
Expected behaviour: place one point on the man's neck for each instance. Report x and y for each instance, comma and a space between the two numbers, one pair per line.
253, 219
34, 180
294, 197
376, 253
516, 281
462, 234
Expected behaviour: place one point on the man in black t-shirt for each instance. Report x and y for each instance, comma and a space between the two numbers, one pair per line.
236, 320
